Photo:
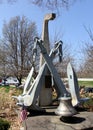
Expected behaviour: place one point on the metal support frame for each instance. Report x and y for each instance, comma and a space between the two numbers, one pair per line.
32, 89
65, 107
29, 99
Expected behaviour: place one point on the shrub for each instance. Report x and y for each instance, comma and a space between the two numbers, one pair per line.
4, 125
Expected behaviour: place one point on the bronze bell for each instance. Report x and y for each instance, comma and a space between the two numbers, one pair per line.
65, 107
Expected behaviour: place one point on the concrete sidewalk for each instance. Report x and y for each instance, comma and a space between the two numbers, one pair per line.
49, 121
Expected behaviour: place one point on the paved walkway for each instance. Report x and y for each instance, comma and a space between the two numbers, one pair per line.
50, 121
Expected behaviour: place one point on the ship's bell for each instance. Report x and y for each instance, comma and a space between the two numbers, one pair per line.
65, 107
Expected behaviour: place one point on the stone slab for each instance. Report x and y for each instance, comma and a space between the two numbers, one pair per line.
50, 121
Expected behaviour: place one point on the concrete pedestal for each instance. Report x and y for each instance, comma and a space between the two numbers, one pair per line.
49, 121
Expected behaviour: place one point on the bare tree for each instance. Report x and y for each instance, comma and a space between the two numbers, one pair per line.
2, 60
18, 42
86, 67
47, 4
53, 4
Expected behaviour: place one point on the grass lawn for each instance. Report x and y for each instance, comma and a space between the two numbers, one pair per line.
7, 88
86, 83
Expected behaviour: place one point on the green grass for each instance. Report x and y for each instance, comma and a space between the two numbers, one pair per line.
86, 83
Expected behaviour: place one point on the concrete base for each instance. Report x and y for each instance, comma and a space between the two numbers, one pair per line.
49, 121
